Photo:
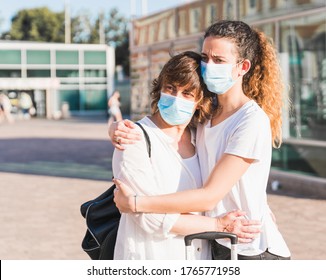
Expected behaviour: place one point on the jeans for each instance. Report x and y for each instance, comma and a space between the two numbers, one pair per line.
220, 252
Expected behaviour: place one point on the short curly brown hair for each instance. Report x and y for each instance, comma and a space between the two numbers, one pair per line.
184, 70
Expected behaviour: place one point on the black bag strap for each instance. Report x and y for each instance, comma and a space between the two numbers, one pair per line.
148, 141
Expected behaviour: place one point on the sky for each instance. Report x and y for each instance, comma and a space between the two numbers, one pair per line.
8, 8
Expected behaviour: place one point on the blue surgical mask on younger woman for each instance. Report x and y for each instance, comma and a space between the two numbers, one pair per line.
217, 77
175, 110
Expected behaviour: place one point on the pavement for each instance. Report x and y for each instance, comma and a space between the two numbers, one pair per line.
49, 168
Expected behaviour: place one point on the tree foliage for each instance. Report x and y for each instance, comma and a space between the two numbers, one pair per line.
115, 28
38, 24
117, 35
81, 28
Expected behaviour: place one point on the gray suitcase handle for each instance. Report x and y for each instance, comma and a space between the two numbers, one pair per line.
212, 235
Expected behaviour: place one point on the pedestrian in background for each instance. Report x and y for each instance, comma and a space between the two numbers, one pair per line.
114, 108
5, 109
26, 105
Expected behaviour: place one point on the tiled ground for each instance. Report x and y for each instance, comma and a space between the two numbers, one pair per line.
48, 168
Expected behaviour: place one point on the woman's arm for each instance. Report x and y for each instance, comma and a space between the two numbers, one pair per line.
223, 177
233, 222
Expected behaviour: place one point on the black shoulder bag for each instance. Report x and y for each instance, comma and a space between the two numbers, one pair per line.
102, 220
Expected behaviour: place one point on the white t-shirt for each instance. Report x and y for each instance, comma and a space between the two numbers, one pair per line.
146, 236
246, 134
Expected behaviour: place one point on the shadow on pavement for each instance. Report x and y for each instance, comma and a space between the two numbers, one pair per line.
76, 158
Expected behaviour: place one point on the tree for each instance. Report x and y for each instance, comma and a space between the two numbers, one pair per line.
38, 24
122, 56
115, 28
94, 36
117, 35
82, 28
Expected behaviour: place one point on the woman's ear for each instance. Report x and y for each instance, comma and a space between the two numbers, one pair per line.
246, 64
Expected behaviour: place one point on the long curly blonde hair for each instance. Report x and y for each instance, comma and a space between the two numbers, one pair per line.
263, 82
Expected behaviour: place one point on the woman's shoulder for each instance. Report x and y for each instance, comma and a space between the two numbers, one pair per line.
146, 124
254, 112
252, 117
139, 147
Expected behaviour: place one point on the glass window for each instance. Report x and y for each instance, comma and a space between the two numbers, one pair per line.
303, 42
38, 57
152, 33
69, 81
195, 20
251, 8
171, 27
71, 97
142, 35
95, 73
94, 100
39, 73
9, 73
211, 14
67, 73
67, 57
95, 57
182, 23
162, 30
228, 10
252, 3
124, 88
10, 57
304, 159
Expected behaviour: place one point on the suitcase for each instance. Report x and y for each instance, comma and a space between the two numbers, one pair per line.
211, 235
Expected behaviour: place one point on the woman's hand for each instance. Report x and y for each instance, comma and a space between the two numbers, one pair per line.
123, 132
235, 222
124, 197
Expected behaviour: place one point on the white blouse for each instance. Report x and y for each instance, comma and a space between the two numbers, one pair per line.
147, 236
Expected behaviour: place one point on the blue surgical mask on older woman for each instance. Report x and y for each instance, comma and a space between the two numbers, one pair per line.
175, 110
217, 77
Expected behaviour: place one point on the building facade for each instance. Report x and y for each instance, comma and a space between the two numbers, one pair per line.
78, 76
298, 28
